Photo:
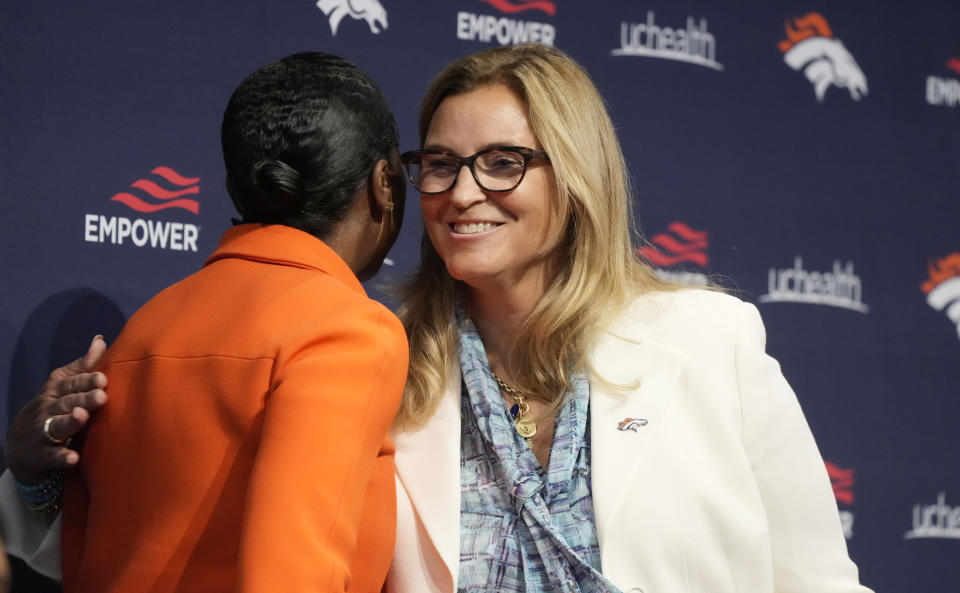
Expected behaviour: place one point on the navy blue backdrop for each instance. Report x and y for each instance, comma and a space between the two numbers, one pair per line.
804, 152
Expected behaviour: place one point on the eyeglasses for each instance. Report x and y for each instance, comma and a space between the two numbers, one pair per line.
496, 169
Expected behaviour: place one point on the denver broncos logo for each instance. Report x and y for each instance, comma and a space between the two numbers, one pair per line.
943, 287
810, 46
367, 10
632, 424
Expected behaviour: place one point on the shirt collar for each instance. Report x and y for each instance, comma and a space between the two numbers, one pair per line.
286, 246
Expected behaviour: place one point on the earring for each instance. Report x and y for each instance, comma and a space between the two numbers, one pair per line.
386, 222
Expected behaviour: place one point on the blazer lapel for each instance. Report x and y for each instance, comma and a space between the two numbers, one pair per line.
428, 466
650, 372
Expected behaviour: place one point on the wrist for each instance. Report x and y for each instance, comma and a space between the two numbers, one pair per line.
43, 496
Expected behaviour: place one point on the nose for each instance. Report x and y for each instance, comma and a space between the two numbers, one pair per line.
465, 191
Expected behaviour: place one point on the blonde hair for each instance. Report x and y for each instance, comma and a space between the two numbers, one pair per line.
598, 271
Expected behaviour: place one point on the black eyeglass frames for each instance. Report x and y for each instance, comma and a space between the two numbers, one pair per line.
496, 169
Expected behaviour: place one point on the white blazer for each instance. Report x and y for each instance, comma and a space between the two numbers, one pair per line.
722, 490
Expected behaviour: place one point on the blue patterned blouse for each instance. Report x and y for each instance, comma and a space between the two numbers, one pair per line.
523, 529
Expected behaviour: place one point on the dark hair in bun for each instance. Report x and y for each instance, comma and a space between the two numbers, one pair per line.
300, 136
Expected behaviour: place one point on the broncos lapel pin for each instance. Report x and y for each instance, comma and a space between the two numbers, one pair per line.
631, 424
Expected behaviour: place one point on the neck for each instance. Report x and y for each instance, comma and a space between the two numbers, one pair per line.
349, 250
355, 239
498, 310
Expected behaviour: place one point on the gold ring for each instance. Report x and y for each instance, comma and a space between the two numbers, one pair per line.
46, 432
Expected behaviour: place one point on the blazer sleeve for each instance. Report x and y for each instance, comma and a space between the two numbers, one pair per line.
336, 388
808, 548
28, 535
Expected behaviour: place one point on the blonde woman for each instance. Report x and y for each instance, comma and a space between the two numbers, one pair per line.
570, 422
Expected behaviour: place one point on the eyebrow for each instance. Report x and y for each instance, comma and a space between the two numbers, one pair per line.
443, 148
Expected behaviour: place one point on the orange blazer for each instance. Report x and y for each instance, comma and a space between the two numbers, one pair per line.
244, 447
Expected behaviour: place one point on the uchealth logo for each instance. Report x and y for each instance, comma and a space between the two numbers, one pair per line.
942, 91
943, 286
692, 43
677, 246
839, 287
362, 10
811, 47
842, 482
935, 520
162, 190
507, 30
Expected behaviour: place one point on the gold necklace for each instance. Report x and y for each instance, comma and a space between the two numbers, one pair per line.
525, 426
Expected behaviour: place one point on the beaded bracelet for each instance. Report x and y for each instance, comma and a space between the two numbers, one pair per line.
45, 496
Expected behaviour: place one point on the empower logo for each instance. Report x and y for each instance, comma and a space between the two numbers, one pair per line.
165, 190
943, 91
943, 286
512, 6
842, 482
678, 245
506, 31
810, 46
154, 197
365, 10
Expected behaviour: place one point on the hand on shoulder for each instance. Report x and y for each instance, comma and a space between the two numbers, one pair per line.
37, 437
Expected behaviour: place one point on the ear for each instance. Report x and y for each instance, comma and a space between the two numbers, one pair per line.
382, 188
387, 188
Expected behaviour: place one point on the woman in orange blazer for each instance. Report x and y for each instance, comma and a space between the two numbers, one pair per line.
244, 447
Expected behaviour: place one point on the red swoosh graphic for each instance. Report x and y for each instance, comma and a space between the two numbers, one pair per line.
162, 194
505, 6
686, 232
691, 246
174, 177
954, 64
842, 482
674, 246
141, 206
660, 259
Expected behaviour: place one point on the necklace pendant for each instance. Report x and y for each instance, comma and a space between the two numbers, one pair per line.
525, 427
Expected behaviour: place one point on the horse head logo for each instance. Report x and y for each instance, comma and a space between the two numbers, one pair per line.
367, 10
810, 46
943, 287
631, 424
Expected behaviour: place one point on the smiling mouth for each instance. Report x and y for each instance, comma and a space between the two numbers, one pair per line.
471, 228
